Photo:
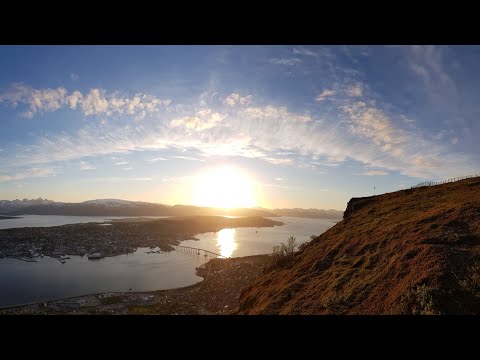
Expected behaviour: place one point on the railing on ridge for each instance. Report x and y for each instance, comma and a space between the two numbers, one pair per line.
433, 183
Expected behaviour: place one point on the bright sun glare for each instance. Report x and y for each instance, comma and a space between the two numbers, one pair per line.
224, 188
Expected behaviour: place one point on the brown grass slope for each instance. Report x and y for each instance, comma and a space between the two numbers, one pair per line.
414, 251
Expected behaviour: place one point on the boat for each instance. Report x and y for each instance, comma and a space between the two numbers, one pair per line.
95, 256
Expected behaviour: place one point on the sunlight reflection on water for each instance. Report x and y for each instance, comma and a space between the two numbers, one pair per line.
226, 242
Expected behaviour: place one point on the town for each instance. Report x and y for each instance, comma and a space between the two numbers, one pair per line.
110, 239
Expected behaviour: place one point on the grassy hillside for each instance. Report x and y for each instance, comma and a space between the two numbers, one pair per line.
414, 251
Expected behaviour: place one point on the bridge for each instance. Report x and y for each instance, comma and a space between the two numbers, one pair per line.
198, 251
433, 183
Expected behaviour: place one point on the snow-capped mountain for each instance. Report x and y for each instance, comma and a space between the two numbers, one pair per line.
117, 207
7, 206
98, 207
114, 203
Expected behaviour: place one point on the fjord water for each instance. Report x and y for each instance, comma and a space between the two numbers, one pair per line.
48, 279
23, 282
253, 241
57, 220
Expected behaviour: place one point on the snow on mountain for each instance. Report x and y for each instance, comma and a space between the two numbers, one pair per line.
115, 203
13, 205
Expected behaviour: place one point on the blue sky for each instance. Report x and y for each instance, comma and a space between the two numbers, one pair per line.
311, 126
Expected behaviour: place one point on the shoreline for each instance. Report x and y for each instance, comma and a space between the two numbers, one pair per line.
7, 217
119, 238
217, 293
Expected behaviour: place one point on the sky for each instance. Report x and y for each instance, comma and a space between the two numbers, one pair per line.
303, 126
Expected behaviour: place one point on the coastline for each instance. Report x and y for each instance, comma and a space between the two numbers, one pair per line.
6, 217
119, 238
217, 294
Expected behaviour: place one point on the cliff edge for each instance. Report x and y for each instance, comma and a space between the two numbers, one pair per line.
415, 251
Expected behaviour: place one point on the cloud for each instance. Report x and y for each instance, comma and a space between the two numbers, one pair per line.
374, 124
235, 99
354, 90
454, 141
95, 102
122, 179
361, 131
156, 159
305, 52
287, 62
325, 94
278, 113
279, 179
75, 98
121, 163
278, 161
74, 77
85, 166
177, 178
187, 158
204, 119
428, 162
375, 173
37, 100
277, 186
427, 62
30, 173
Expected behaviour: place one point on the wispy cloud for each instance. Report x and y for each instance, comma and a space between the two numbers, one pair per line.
121, 163
280, 113
203, 119
279, 161
305, 51
186, 158
375, 173
287, 61
355, 90
74, 77
85, 166
362, 130
122, 179
325, 94
235, 99
156, 159
31, 173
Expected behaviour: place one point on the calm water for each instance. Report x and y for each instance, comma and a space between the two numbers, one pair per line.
56, 220
48, 279
254, 241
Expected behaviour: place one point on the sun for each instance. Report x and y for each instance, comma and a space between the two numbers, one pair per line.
224, 187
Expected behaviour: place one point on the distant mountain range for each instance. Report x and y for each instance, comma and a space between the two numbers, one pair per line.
115, 207
7, 206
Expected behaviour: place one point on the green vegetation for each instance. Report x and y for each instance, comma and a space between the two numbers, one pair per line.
112, 300
283, 255
418, 301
